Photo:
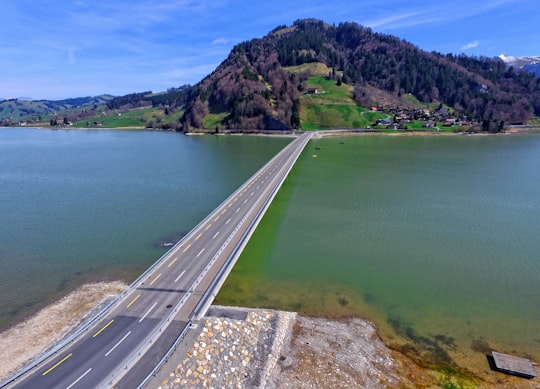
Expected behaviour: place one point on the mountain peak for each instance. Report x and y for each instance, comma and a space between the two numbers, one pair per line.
531, 64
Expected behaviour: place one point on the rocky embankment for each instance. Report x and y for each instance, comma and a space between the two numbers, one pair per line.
275, 349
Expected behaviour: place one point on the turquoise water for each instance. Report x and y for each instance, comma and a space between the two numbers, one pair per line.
436, 239
78, 206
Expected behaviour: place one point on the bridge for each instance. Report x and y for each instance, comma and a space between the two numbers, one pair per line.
125, 344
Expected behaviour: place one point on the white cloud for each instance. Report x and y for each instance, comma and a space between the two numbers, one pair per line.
471, 45
220, 41
396, 20
71, 56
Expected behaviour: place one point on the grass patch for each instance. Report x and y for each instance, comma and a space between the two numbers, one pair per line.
112, 120
333, 107
213, 120
315, 68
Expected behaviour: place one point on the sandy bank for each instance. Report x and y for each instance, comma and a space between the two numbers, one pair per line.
29, 339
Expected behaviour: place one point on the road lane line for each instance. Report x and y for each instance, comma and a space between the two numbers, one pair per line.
258, 187
187, 247
198, 236
173, 261
216, 234
78, 379
245, 201
117, 344
207, 227
228, 220
57, 364
230, 205
103, 328
181, 274
216, 218
132, 301
237, 210
252, 193
200, 252
155, 279
148, 312
224, 210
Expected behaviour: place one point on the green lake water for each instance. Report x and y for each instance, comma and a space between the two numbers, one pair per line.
435, 239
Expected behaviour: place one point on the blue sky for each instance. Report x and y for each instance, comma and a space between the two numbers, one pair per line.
54, 49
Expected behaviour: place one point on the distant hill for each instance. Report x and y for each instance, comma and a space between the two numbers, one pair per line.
18, 109
253, 88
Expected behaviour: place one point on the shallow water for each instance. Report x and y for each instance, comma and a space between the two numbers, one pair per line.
436, 239
78, 206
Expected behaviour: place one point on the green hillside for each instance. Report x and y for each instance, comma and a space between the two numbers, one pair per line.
332, 106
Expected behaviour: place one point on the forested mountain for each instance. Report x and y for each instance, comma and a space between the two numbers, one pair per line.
253, 89
14, 109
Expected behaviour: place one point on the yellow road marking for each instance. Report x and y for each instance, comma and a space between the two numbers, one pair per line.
173, 261
155, 279
222, 212
187, 247
207, 227
216, 218
105, 326
198, 236
132, 301
57, 364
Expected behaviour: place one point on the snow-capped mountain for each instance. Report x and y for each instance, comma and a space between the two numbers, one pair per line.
532, 64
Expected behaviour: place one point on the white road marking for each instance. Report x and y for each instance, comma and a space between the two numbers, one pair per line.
200, 252
146, 314
78, 379
118, 344
245, 201
237, 210
181, 274
228, 220
214, 237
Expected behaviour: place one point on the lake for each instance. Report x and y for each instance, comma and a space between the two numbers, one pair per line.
435, 238
84, 205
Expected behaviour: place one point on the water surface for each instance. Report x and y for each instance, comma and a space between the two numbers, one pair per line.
436, 239
79, 206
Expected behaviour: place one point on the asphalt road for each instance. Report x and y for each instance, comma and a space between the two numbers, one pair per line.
131, 337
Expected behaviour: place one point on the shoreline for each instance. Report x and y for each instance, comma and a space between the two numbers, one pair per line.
255, 348
345, 132
34, 336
